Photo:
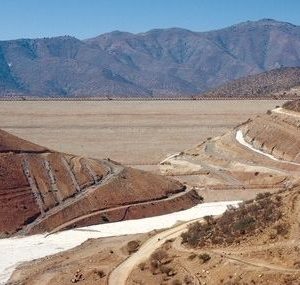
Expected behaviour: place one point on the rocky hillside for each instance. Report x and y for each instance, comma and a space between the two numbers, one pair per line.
282, 82
292, 105
162, 62
42, 190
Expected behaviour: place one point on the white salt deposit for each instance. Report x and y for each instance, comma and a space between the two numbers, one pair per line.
14, 251
240, 138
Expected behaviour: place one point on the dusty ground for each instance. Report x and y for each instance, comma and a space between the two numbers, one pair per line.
256, 257
134, 133
256, 244
262, 154
139, 134
129, 132
93, 260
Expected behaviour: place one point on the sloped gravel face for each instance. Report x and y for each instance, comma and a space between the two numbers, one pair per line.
11, 143
292, 105
17, 203
43, 190
276, 134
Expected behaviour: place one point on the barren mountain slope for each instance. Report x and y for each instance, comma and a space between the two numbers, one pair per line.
160, 62
42, 190
292, 105
282, 82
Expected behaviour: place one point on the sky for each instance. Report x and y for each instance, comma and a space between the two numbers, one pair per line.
88, 18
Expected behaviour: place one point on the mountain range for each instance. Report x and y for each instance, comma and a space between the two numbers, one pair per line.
161, 62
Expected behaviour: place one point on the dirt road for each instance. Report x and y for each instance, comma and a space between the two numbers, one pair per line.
234, 256
120, 274
286, 112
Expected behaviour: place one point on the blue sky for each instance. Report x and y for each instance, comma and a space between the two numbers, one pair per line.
88, 18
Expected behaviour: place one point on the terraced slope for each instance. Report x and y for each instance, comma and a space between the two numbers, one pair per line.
42, 190
277, 134
262, 153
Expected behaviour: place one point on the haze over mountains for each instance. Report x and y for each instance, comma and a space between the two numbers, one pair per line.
161, 62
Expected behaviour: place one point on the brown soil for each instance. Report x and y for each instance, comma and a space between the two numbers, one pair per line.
17, 204
276, 134
293, 105
255, 255
222, 163
135, 211
93, 260
43, 190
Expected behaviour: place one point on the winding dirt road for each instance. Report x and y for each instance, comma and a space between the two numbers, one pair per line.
120, 274
286, 112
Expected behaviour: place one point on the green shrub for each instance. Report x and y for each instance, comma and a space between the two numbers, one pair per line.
205, 257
